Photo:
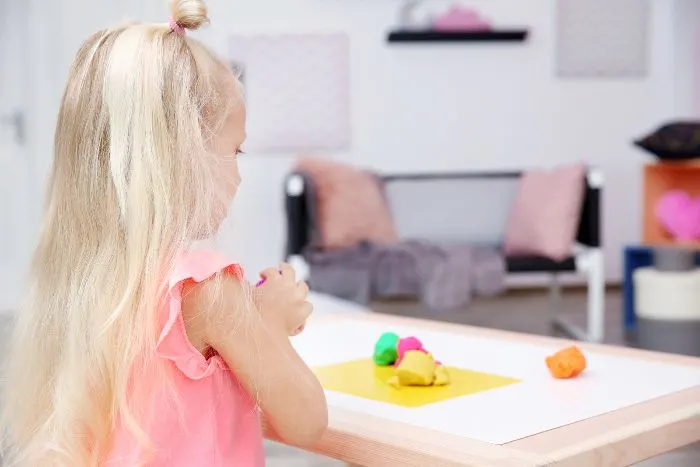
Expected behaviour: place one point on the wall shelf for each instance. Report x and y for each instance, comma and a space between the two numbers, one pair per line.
501, 35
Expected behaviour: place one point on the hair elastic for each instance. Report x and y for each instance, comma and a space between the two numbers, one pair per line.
175, 27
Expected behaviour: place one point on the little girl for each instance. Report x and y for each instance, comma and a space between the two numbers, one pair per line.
134, 349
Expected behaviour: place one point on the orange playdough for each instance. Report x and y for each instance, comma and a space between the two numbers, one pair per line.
567, 363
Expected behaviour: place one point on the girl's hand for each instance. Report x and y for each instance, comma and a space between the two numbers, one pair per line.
282, 300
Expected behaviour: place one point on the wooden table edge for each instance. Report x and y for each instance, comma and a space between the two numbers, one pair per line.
368, 441
621, 424
633, 444
421, 447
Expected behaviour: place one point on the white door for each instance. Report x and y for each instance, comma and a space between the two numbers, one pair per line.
17, 189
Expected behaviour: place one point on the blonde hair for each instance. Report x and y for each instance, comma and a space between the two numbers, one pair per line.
131, 186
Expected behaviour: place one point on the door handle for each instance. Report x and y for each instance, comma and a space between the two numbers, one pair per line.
17, 122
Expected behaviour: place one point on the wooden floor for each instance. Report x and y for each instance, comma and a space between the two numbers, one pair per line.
522, 311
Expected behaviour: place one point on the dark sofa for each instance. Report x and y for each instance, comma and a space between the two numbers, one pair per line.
443, 207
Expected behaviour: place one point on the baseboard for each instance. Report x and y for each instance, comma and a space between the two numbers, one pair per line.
543, 280
570, 285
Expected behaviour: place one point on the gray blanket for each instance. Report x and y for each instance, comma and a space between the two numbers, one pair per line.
443, 277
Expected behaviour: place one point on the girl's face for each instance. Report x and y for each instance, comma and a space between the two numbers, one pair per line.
228, 145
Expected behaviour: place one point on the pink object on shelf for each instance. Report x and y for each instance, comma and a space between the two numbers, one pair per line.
461, 19
679, 215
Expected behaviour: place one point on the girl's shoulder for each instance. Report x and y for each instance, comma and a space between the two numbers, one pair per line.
174, 343
201, 264
213, 421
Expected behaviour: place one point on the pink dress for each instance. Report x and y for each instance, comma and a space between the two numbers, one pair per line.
218, 424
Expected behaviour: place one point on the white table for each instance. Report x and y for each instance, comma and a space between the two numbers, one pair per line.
651, 403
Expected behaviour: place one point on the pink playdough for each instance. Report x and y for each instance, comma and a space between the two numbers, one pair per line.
262, 281
406, 344
459, 18
679, 215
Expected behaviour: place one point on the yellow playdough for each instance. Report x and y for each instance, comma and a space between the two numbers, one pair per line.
419, 369
442, 377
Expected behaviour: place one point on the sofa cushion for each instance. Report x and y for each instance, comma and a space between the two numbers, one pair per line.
350, 205
546, 212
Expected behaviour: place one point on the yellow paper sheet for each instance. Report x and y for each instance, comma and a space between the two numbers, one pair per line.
362, 378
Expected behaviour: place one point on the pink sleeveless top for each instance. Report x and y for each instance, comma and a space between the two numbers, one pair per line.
218, 423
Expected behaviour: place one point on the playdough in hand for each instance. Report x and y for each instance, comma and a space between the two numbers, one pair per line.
567, 363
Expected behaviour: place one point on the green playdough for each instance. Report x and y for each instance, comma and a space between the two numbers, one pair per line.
385, 350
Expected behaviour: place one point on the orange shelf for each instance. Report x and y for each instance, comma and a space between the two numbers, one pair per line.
659, 179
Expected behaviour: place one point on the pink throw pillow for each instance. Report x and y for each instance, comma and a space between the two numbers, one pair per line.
351, 207
679, 214
546, 213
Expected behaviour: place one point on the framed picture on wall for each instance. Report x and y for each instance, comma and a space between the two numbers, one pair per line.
297, 90
602, 38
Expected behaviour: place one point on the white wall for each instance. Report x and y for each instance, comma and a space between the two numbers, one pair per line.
481, 107
686, 58
689, 10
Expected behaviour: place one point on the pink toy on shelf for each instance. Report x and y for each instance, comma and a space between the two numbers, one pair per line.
679, 215
461, 19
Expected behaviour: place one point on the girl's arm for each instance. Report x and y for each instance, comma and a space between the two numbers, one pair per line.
223, 316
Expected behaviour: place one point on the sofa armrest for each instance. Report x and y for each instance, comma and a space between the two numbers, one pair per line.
589, 229
298, 190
